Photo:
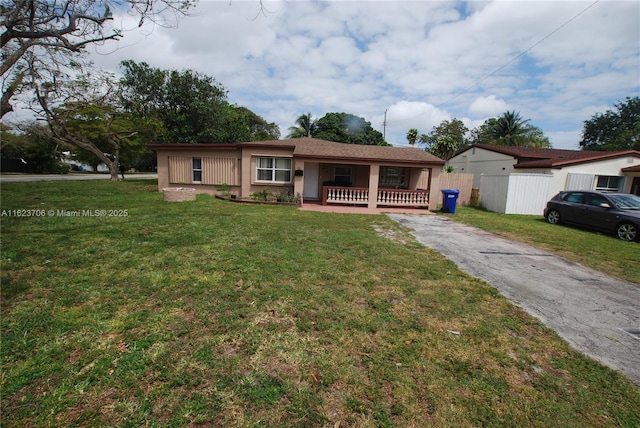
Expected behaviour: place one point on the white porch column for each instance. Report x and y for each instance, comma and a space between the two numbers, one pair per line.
374, 178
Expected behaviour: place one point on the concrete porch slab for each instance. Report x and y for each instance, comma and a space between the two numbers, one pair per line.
349, 209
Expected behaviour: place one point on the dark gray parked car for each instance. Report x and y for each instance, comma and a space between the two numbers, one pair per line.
615, 213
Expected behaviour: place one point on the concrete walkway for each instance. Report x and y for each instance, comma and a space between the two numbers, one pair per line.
596, 314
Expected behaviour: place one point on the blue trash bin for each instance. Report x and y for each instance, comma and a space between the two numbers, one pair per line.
449, 199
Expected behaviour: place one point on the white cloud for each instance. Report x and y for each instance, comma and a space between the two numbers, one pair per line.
422, 61
488, 106
404, 115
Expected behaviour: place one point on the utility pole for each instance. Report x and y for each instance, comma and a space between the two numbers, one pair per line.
384, 126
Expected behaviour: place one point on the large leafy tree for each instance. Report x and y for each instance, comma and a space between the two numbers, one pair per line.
45, 36
347, 128
304, 127
119, 135
614, 130
445, 139
244, 125
510, 129
85, 113
191, 106
444, 148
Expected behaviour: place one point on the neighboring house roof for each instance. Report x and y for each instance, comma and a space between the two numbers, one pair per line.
527, 157
315, 148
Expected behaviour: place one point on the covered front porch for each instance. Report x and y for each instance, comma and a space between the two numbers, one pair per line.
367, 185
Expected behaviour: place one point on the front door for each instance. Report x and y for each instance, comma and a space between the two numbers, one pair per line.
311, 171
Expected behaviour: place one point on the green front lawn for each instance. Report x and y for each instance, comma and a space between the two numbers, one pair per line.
212, 313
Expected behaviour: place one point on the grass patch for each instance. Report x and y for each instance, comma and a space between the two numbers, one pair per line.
599, 251
219, 314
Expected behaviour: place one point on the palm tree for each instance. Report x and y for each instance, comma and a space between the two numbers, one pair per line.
510, 128
304, 128
412, 136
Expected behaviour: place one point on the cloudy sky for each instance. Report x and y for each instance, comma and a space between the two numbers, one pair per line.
555, 62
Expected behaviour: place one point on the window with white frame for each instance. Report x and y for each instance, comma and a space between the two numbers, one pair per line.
273, 169
609, 183
392, 176
196, 167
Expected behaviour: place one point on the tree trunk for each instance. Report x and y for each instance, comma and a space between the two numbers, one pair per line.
114, 167
113, 170
83, 143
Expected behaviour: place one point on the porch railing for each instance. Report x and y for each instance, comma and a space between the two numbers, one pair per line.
345, 195
387, 197
405, 198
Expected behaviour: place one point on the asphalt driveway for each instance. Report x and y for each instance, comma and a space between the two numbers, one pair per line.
596, 314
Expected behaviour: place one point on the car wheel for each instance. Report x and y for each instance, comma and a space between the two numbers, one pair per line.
553, 217
627, 232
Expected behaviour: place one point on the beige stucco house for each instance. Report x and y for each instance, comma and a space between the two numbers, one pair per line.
569, 169
315, 170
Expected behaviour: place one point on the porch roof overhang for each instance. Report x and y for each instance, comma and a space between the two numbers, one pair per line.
635, 168
313, 148
367, 161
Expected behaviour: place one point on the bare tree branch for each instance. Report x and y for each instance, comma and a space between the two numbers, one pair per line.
58, 29
12, 33
5, 106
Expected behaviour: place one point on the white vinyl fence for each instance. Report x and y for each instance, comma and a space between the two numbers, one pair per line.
516, 193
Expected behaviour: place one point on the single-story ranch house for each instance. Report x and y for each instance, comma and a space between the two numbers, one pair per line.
312, 169
570, 169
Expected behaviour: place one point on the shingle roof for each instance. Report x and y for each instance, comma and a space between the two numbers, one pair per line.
323, 149
315, 148
527, 157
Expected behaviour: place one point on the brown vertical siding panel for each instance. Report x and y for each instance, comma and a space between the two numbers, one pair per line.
180, 169
220, 171
462, 182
